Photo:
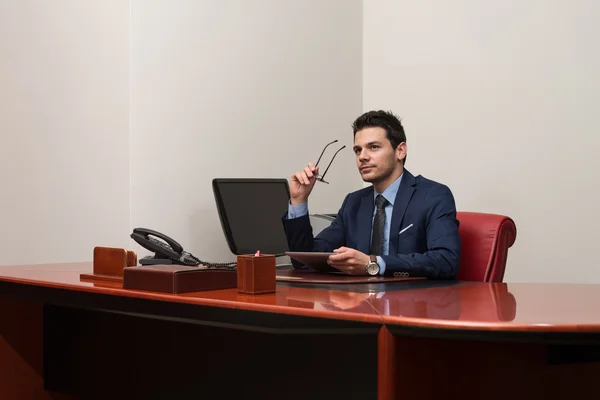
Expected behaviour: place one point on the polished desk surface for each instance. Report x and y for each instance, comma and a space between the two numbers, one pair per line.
531, 307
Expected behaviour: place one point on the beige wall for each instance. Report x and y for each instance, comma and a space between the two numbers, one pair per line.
64, 129
500, 102
237, 89
118, 114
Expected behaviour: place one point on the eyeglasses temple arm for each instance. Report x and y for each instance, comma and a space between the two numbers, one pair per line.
330, 162
324, 152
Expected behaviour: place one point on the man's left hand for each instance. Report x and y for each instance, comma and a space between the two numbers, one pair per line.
349, 261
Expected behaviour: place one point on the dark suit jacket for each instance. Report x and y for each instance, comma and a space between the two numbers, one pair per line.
430, 248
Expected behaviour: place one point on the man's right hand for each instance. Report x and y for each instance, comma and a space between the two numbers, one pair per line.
302, 183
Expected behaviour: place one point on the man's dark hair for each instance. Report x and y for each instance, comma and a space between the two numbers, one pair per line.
383, 119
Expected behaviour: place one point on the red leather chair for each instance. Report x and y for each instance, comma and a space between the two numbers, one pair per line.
485, 242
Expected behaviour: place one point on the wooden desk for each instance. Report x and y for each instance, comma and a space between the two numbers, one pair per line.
64, 338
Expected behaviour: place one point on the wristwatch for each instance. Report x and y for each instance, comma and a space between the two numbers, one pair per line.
372, 266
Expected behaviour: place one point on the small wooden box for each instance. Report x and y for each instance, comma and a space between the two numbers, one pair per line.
109, 263
112, 260
175, 278
256, 274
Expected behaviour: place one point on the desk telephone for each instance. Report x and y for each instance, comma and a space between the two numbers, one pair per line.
168, 251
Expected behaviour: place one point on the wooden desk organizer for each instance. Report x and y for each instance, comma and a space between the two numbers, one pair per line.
174, 278
256, 274
109, 263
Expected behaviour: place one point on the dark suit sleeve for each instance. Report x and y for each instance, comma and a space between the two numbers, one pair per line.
300, 237
440, 261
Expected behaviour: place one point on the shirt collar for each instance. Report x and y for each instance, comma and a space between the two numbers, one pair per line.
390, 192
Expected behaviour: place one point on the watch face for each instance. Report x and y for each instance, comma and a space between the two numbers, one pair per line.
372, 268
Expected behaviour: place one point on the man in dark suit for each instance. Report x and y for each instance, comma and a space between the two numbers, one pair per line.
402, 225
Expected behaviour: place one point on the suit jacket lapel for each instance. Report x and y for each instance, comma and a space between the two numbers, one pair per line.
405, 192
365, 220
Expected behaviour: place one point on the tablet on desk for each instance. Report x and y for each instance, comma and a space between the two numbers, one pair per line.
314, 260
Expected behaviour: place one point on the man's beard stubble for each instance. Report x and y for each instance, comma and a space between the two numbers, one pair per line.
389, 170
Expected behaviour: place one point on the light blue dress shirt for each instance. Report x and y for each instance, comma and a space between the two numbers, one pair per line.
389, 194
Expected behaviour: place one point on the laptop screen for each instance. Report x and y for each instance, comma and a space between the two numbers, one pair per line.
250, 211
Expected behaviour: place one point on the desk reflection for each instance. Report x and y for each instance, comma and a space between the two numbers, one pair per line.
478, 302
331, 300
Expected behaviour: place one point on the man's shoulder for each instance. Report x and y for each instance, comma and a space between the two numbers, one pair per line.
353, 199
360, 193
432, 190
430, 184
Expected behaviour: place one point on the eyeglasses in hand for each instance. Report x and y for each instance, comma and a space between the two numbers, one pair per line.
321, 177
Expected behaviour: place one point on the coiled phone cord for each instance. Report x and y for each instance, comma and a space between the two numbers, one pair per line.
189, 259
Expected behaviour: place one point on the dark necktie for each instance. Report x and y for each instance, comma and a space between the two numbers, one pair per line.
378, 224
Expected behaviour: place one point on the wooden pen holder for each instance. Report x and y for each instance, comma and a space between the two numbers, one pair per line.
256, 274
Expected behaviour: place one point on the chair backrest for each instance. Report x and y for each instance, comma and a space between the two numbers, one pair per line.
485, 242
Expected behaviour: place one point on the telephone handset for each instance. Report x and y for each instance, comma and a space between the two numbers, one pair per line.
167, 250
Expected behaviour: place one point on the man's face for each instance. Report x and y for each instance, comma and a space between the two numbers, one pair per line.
375, 157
